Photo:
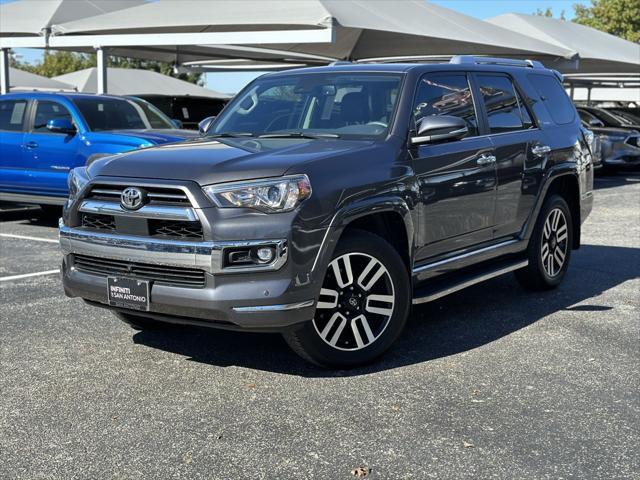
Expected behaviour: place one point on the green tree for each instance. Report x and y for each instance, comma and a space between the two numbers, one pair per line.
617, 17
61, 62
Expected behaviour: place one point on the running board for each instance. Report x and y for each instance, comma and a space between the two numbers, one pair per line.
427, 294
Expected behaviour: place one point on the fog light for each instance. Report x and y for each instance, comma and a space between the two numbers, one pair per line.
265, 254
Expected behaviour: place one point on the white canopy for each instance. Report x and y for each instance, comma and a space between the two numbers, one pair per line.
36, 17
362, 28
599, 52
128, 81
27, 81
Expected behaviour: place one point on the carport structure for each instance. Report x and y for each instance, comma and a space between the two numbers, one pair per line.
306, 31
27, 81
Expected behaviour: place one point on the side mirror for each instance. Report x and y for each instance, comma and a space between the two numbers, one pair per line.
439, 128
204, 125
594, 122
177, 123
61, 125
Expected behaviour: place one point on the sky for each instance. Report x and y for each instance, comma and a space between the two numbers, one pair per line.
231, 82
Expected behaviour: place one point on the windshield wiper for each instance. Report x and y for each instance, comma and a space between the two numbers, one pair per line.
230, 135
298, 135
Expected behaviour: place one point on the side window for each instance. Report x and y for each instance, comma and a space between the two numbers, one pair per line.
12, 114
46, 111
554, 97
503, 104
446, 94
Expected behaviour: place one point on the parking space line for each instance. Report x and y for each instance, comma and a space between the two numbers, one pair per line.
27, 275
24, 237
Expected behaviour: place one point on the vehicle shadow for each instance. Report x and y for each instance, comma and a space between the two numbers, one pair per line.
616, 179
455, 324
30, 214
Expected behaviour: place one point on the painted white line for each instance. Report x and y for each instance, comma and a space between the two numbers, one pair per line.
24, 237
27, 275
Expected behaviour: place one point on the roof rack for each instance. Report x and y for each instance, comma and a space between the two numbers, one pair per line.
340, 62
507, 62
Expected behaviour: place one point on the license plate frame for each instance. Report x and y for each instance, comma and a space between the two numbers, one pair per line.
130, 293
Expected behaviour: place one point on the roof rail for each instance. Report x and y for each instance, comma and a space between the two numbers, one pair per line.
340, 62
507, 62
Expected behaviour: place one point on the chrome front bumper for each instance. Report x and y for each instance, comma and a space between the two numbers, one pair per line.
207, 256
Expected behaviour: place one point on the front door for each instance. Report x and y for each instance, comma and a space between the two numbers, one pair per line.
49, 155
457, 179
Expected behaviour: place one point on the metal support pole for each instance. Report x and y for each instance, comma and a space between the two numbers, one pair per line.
102, 70
572, 91
588, 96
4, 71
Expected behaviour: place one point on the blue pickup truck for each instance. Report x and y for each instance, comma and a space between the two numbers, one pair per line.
45, 135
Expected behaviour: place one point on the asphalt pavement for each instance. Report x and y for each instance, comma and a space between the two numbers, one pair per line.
491, 382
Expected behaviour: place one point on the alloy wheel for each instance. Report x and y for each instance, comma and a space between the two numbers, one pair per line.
356, 302
554, 243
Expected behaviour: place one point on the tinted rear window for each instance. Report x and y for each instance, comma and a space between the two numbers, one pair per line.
12, 114
554, 97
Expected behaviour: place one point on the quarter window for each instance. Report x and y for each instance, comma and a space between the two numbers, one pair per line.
449, 94
505, 109
12, 114
554, 97
46, 111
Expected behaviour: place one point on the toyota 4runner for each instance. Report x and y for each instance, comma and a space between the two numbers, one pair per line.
323, 202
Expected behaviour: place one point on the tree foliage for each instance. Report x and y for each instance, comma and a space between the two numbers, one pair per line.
61, 62
617, 17
548, 12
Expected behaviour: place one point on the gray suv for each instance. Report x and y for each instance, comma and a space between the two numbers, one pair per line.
323, 202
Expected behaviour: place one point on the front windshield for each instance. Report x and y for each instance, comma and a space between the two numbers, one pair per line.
109, 113
339, 105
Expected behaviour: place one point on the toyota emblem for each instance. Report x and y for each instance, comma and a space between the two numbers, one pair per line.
132, 198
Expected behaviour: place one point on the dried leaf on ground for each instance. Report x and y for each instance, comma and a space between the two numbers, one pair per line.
360, 472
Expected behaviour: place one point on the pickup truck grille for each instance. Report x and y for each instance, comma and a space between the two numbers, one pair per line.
160, 274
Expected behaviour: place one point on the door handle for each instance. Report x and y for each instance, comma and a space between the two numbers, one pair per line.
540, 150
31, 145
486, 160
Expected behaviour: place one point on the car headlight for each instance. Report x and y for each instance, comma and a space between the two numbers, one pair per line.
77, 179
270, 196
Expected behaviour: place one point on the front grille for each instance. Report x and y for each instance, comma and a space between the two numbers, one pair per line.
179, 230
160, 274
99, 222
156, 195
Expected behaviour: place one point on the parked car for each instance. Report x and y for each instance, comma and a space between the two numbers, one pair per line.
324, 202
620, 148
187, 109
599, 117
45, 135
631, 115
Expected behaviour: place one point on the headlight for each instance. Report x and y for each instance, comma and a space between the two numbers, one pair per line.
273, 195
78, 178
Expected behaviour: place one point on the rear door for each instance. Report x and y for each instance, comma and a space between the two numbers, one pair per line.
12, 130
519, 146
48, 155
456, 178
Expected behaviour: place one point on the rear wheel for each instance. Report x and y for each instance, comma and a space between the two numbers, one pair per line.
362, 308
550, 247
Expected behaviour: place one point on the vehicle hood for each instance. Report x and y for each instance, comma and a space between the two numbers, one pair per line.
208, 161
157, 136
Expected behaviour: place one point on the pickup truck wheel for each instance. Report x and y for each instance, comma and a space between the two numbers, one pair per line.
362, 308
139, 323
550, 247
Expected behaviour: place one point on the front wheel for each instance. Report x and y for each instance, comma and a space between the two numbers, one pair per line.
362, 308
550, 247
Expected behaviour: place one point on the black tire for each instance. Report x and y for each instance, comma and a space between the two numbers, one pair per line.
540, 274
138, 322
364, 339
